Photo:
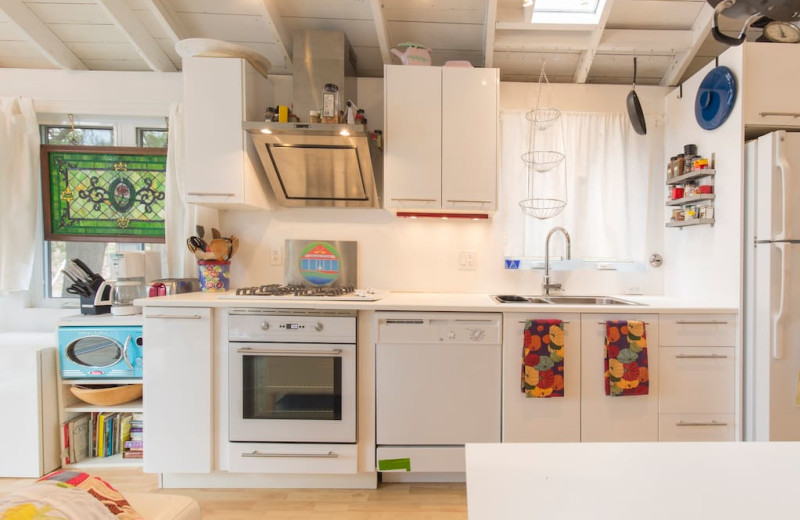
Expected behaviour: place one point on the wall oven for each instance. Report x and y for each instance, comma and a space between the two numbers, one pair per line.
292, 376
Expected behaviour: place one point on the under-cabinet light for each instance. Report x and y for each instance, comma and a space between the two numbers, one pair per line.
443, 216
266, 131
344, 132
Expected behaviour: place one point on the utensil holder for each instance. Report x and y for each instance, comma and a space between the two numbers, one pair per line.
87, 302
214, 275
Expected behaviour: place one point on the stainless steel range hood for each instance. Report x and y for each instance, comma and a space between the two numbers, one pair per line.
328, 165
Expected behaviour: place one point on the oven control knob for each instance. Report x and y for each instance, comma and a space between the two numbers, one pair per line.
265, 325
477, 334
318, 327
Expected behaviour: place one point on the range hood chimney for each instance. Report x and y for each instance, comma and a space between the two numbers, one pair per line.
315, 164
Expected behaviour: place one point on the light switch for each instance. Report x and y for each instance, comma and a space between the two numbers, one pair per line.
467, 260
275, 256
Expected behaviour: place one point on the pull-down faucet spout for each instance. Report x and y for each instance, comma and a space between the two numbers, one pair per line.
546, 283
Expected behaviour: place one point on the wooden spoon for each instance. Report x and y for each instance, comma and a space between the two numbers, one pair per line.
234, 244
220, 247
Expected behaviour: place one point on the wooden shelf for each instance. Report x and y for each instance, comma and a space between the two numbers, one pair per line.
133, 406
691, 200
691, 222
695, 174
105, 462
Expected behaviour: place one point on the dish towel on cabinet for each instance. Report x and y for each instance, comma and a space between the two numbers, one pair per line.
625, 363
543, 358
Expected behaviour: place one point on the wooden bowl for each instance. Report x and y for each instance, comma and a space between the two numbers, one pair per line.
105, 395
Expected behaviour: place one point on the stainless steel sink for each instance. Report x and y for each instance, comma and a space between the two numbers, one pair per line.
563, 300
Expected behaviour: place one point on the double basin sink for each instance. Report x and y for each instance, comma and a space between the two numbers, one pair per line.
562, 300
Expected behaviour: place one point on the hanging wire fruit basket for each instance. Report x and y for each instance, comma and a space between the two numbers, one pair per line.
543, 160
542, 208
543, 118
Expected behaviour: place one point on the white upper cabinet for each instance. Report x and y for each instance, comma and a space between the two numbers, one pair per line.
770, 85
222, 167
441, 138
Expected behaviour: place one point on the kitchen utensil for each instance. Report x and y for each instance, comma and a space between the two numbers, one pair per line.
198, 243
780, 13
413, 54
107, 396
635, 107
215, 233
234, 244
715, 98
200, 231
221, 247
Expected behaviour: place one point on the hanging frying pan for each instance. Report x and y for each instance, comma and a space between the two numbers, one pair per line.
635, 108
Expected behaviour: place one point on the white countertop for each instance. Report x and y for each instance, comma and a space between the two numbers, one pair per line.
421, 301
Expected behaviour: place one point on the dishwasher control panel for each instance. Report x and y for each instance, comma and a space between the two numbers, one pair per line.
439, 327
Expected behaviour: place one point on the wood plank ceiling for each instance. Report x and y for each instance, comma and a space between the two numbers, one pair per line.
669, 37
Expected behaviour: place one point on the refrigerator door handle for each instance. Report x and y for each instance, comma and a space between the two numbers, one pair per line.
782, 164
777, 322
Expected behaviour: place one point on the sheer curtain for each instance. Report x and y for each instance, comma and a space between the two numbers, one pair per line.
608, 185
181, 217
19, 196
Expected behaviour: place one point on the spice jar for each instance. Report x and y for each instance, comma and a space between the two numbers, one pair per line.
679, 164
330, 103
313, 116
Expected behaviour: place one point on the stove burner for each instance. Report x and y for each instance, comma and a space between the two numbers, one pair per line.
294, 290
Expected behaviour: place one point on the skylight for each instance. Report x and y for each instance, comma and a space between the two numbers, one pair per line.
566, 11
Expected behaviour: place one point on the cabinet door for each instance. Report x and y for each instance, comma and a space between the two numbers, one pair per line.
177, 390
697, 380
469, 138
622, 418
529, 419
413, 147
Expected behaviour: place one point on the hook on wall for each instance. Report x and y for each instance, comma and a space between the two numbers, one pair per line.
680, 90
716, 61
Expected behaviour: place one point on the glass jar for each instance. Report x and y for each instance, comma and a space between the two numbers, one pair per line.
313, 116
679, 164
330, 103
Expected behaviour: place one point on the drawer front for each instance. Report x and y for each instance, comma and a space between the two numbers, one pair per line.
698, 330
697, 380
696, 427
259, 457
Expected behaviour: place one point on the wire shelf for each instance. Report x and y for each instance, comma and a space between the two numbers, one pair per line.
542, 208
543, 118
543, 160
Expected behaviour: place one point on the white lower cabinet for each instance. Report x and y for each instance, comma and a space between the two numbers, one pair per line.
531, 419
696, 427
176, 368
621, 418
256, 457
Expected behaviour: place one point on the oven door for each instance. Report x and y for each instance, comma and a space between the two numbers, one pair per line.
292, 392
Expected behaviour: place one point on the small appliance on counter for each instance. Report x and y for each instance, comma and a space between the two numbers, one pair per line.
130, 271
168, 286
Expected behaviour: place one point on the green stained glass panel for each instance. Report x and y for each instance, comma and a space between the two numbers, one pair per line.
103, 193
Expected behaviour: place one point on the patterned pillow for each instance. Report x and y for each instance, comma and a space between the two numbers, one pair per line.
99, 489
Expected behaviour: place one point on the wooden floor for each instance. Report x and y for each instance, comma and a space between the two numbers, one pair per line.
388, 502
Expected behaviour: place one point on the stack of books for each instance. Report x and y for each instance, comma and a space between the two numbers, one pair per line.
133, 446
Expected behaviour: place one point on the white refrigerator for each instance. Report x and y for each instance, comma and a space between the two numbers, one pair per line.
772, 288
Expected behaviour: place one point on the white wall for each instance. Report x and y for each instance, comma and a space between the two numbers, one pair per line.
705, 261
422, 255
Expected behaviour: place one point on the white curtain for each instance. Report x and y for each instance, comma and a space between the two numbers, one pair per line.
19, 195
181, 217
608, 185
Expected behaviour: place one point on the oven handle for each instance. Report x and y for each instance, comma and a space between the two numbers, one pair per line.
125, 351
328, 455
290, 352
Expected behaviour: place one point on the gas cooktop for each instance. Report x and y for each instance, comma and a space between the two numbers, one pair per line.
302, 292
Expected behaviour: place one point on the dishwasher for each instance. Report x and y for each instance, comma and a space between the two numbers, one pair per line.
438, 386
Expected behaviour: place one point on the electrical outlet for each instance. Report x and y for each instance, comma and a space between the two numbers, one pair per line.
633, 290
467, 260
275, 256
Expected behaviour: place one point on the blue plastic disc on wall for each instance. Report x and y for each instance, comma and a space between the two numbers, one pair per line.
715, 98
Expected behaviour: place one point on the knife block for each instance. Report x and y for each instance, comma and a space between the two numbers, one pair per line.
87, 302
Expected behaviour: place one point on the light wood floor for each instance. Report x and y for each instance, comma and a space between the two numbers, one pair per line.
388, 502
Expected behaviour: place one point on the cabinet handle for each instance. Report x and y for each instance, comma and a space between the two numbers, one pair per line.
415, 200
700, 356
328, 455
791, 114
603, 323
209, 194
712, 423
290, 352
175, 316
461, 201
714, 322
525, 321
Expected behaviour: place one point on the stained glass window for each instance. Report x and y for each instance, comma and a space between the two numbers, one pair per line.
104, 193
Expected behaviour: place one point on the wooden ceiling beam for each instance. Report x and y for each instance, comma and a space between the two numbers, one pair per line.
282, 36
587, 56
701, 28
644, 40
382, 30
40, 36
167, 19
138, 35
489, 33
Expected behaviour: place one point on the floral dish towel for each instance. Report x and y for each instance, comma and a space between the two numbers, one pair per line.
626, 370
543, 359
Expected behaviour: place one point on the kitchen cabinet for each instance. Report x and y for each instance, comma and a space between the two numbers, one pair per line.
221, 163
177, 390
625, 418
440, 152
527, 419
697, 363
769, 86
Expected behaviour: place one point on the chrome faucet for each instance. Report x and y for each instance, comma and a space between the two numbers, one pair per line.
546, 283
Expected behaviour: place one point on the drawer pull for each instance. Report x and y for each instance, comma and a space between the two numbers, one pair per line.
209, 194
415, 200
463, 201
327, 455
701, 356
525, 321
603, 323
289, 352
715, 322
175, 316
712, 423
